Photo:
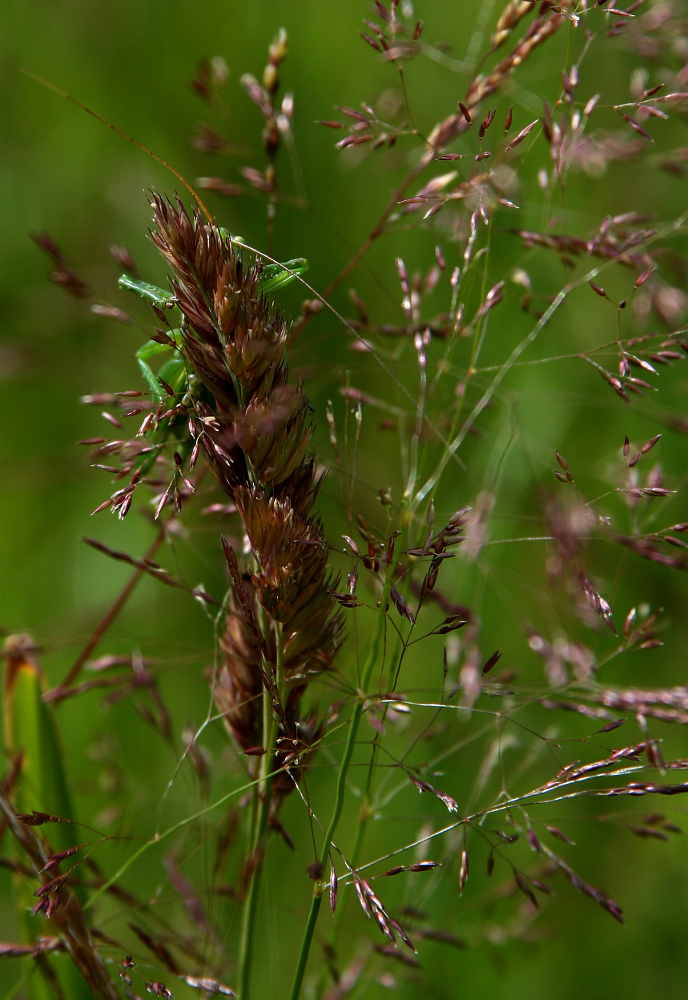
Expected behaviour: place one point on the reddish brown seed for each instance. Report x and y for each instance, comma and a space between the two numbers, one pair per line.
463, 872
525, 889
53, 886
644, 831
35, 818
352, 545
210, 986
102, 506
145, 426
434, 209
361, 896
111, 312
492, 661
556, 832
611, 726
649, 445
62, 274
168, 389
630, 621
55, 859
356, 115
457, 622
638, 128
401, 605
394, 925
158, 990
465, 112
370, 41
590, 106
533, 841
354, 140
522, 134
123, 258
113, 420
645, 276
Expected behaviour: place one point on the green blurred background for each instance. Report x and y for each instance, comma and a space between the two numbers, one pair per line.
63, 172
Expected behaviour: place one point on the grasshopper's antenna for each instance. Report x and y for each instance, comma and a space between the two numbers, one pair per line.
104, 121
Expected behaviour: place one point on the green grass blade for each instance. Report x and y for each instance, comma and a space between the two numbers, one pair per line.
30, 729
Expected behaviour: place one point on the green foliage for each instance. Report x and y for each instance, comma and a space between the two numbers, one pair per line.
31, 732
500, 372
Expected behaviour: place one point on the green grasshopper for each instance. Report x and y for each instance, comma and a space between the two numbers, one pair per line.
174, 371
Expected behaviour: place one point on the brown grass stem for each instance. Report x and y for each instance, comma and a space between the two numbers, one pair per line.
105, 622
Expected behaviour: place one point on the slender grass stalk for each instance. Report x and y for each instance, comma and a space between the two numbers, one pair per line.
336, 815
108, 618
259, 824
373, 653
248, 915
365, 812
159, 837
361, 828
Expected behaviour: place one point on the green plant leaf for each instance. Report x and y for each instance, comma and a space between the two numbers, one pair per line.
31, 729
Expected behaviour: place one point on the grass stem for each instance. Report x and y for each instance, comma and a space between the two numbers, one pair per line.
372, 659
259, 823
